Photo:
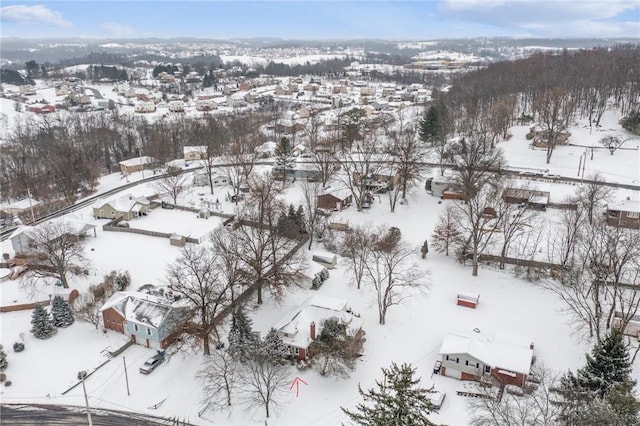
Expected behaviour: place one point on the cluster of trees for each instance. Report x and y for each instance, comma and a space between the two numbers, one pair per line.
379, 259
552, 89
87, 306
99, 72
45, 324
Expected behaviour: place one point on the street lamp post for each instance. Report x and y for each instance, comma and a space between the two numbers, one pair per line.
81, 376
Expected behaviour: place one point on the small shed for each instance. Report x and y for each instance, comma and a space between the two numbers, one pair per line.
178, 240
468, 300
328, 260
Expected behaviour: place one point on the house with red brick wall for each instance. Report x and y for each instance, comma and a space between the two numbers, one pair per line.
470, 356
625, 214
302, 326
149, 320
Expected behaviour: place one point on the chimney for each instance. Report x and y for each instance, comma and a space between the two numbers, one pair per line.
312, 330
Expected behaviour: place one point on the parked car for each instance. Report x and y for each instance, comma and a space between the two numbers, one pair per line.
152, 363
123, 224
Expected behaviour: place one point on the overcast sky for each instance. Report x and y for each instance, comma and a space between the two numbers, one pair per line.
411, 20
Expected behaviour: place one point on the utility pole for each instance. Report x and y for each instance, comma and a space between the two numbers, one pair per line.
82, 375
33, 219
126, 376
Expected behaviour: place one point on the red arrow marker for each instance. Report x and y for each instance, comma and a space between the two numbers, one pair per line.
296, 383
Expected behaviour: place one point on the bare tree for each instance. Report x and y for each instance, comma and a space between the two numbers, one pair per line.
555, 108
535, 406
59, 251
357, 248
391, 270
173, 184
195, 276
408, 154
478, 223
323, 160
612, 143
359, 167
310, 192
242, 158
446, 233
218, 377
516, 222
566, 236
262, 383
591, 195
87, 308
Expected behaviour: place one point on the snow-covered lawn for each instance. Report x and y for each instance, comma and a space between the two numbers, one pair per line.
413, 332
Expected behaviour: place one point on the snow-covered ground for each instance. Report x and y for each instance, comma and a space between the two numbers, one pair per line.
413, 333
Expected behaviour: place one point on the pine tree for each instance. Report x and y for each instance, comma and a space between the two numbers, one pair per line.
273, 348
299, 219
397, 401
243, 341
42, 326
607, 365
61, 312
3, 359
282, 155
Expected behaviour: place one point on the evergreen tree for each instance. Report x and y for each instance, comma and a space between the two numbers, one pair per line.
425, 249
42, 326
3, 359
243, 341
273, 348
61, 312
397, 401
433, 126
607, 365
299, 219
282, 155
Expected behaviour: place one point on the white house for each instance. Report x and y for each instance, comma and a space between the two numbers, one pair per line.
468, 356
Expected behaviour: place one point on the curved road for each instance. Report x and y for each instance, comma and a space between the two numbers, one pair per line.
45, 414
88, 201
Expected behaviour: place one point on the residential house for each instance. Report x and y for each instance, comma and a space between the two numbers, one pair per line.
21, 207
625, 214
630, 324
537, 200
300, 328
338, 199
145, 107
128, 207
152, 321
193, 153
540, 136
470, 356
136, 164
381, 180
41, 108
176, 106
206, 105
22, 238
282, 91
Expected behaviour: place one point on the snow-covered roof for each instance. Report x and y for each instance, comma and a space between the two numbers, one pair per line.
139, 307
295, 328
24, 204
505, 351
626, 205
200, 148
124, 203
137, 161
340, 193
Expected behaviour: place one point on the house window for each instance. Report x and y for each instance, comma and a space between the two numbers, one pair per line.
487, 369
457, 360
466, 362
633, 215
477, 365
295, 351
113, 212
101, 211
148, 331
135, 327
447, 357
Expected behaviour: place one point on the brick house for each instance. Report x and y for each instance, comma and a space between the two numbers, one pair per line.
625, 214
335, 200
41, 108
470, 356
299, 329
